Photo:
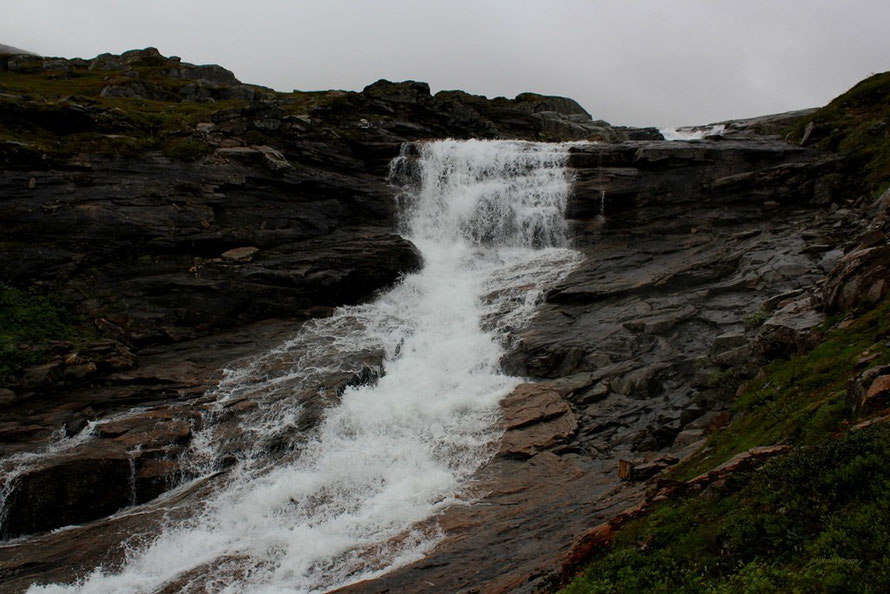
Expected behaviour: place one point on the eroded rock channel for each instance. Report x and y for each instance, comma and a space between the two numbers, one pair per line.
700, 258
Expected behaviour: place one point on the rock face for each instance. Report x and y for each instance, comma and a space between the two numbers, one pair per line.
215, 237
703, 260
172, 236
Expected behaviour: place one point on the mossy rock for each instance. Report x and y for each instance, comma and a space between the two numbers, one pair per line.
856, 124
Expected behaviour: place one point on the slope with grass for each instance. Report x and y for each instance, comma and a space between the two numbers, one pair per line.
812, 519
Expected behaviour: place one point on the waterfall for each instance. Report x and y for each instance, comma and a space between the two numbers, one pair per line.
359, 495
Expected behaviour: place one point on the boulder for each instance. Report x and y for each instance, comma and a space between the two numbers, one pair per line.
869, 390
535, 103
641, 383
241, 254
67, 491
859, 280
795, 328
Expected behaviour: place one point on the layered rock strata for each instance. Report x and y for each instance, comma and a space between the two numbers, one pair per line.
701, 258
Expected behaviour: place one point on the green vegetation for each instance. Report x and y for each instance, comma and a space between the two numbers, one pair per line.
857, 124
29, 322
800, 400
817, 520
755, 320
186, 149
65, 115
62, 112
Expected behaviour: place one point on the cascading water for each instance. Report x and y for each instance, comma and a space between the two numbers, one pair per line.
360, 495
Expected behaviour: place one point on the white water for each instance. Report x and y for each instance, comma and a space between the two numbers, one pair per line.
357, 498
692, 132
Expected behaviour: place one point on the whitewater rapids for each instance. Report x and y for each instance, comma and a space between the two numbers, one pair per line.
360, 496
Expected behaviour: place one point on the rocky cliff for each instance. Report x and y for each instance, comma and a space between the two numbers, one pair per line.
161, 219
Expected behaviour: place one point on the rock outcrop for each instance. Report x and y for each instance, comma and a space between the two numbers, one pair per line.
704, 260
169, 233
192, 241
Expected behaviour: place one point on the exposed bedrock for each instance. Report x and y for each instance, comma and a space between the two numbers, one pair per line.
185, 239
179, 249
701, 257
705, 258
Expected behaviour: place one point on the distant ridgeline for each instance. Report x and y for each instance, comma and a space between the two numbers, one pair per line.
146, 101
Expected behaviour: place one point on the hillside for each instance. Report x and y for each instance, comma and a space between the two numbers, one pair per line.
162, 219
809, 514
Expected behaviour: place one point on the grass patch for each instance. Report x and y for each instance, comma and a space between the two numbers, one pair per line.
817, 520
185, 149
755, 320
800, 400
857, 124
29, 322
64, 116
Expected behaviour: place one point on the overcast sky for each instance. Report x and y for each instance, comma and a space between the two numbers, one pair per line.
635, 62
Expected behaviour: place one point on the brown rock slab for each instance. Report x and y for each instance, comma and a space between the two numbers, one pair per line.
531, 403
152, 429
536, 418
242, 254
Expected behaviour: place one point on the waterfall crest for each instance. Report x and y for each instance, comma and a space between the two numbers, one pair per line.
359, 496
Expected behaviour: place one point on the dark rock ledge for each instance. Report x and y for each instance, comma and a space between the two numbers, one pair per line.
712, 257
187, 220
186, 260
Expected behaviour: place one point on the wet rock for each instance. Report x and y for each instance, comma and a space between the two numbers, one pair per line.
78, 372
626, 133
17, 432
796, 328
44, 374
7, 397
535, 418
147, 430
153, 477
688, 437
629, 471
398, 92
780, 300
728, 341
640, 383
66, 492
859, 280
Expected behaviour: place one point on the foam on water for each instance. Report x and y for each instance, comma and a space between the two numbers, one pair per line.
692, 132
357, 498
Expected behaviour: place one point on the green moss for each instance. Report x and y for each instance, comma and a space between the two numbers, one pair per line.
755, 320
185, 149
725, 382
817, 520
800, 400
35, 110
82, 81
857, 124
29, 322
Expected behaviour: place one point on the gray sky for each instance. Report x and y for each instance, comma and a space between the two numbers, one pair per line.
636, 62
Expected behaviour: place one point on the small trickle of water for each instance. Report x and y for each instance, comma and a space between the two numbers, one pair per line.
356, 498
